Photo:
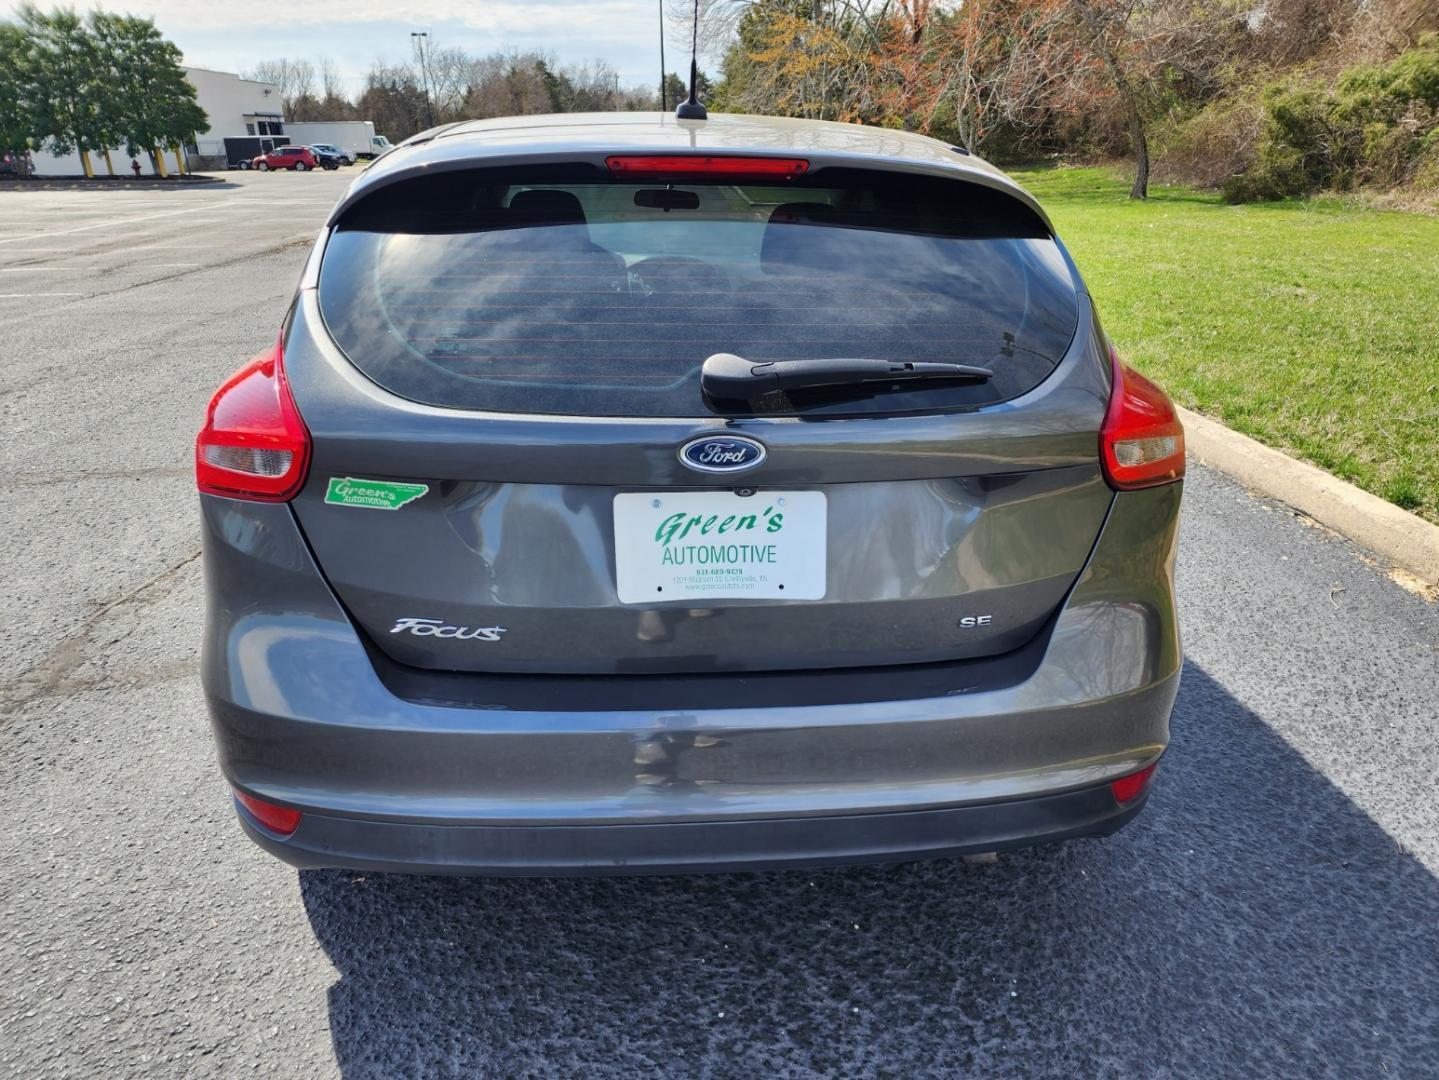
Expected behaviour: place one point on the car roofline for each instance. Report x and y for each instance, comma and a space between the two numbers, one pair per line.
590, 138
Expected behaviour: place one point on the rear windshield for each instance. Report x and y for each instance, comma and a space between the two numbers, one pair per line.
559, 290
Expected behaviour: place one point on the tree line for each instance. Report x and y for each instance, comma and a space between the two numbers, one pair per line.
1219, 89
1264, 98
443, 84
92, 85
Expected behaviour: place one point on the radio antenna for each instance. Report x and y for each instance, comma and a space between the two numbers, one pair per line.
692, 109
664, 101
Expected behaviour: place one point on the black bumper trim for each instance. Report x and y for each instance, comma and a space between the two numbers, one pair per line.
694, 847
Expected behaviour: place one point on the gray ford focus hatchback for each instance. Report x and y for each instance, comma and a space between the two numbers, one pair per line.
629, 494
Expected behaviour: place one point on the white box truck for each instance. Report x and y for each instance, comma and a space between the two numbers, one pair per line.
355, 136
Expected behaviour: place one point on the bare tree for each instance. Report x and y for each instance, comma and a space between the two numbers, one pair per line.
331, 85
509, 84
295, 79
965, 71
393, 99
453, 84
718, 24
1147, 49
1107, 23
450, 71
303, 74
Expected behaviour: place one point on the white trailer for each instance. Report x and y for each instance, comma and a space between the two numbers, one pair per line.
356, 136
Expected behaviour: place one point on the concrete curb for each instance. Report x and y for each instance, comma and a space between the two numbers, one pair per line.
1404, 539
108, 183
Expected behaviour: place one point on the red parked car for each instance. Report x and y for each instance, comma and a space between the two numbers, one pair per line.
299, 158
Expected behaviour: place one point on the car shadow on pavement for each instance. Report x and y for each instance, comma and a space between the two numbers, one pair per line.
1253, 921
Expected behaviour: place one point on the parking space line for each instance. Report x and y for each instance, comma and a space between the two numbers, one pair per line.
114, 268
115, 221
98, 252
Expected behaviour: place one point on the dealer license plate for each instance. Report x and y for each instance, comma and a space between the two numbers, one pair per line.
709, 545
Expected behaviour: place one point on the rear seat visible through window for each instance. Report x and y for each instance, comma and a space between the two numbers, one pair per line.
560, 290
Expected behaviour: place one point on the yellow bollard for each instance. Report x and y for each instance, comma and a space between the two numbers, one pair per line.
179, 162
109, 165
85, 161
160, 162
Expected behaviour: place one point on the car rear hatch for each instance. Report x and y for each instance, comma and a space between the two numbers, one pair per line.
518, 464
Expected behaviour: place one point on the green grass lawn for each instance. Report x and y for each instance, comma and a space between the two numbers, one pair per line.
1311, 326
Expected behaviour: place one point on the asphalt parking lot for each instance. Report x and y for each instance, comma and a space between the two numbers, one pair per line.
1275, 911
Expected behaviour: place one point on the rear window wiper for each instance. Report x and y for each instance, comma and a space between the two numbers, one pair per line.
728, 377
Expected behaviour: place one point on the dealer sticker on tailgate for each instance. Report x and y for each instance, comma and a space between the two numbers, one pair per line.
703, 545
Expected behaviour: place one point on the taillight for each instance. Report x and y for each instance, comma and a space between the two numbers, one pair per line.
1142, 441
1128, 788
709, 166
254, 444
278, 819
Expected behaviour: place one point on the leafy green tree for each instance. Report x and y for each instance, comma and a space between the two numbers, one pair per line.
63, 63
1374, 127
17, 105
677, 89
149, 104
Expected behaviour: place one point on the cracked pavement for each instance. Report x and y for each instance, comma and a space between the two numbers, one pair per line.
1273, 912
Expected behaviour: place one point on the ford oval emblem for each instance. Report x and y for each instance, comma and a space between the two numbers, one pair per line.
722, 453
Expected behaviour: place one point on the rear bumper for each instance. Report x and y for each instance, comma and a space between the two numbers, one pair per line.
302, 718
694, 847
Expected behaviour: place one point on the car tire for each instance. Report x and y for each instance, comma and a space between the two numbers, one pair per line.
300, 166
244, 166
264, 166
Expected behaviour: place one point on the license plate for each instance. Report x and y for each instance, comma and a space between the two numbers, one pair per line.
707, 545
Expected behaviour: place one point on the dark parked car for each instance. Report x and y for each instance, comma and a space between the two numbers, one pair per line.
345, 157
298, 158
649, 496
329, 158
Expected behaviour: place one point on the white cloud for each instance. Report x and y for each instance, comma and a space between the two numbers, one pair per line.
504, 17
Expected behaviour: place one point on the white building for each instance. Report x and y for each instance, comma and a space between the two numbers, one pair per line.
236, 108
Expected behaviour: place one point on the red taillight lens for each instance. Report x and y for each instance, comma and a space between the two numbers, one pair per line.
1128, 788
278, 819
1142, 441
254, 444
709, 166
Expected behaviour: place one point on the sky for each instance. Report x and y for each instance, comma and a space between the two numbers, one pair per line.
236, 34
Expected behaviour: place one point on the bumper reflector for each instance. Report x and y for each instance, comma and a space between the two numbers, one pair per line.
1128, 788
278, 819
